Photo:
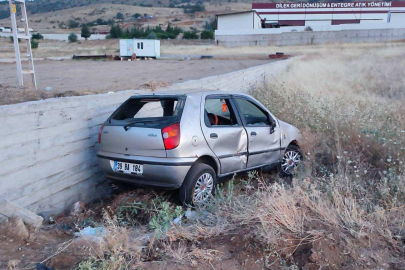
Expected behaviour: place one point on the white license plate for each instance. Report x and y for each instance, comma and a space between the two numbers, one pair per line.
125, 167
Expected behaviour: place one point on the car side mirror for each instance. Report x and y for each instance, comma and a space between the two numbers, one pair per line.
272, 126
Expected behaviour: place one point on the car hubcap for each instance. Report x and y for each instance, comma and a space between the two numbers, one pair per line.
203, 188
290, 161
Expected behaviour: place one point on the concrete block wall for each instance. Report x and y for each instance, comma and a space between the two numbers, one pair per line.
308, 38
47, 151
48, 147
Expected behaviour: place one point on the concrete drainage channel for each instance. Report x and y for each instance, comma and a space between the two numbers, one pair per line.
48, 147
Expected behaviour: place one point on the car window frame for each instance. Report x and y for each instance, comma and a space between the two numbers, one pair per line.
272, 122
233, 106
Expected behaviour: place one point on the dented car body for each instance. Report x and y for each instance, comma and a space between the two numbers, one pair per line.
187, 140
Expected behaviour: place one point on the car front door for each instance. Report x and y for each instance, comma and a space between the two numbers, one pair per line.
224, 132
263, 133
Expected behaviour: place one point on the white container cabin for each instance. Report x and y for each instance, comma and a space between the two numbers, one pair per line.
141, 47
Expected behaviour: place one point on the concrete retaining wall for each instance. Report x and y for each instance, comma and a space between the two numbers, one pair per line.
308, 38
48, 148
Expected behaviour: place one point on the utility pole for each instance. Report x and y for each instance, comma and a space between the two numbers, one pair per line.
26, 36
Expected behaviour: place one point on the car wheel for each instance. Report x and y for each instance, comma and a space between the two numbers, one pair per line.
291, 159
198, 185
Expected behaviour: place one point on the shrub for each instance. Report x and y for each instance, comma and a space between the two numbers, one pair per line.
308, 29
37, 36
73, 24
72, 37
193, 8
34, 44
207, 34
119, 16
190, 35
12, 39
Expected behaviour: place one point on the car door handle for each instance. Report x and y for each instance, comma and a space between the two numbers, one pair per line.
253, 133
214, 136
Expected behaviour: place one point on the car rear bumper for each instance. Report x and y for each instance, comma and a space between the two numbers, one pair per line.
157, 172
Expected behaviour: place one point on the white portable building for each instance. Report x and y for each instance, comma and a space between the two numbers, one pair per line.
141, 47
5, 30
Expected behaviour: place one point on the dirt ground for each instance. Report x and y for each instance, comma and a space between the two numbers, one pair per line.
55, 246
71, 77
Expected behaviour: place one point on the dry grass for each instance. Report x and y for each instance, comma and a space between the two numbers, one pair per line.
122, 249
349, 105
53, 48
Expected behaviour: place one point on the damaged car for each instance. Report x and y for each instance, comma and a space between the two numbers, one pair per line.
187, 140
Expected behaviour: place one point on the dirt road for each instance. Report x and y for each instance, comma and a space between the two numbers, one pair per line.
83, 77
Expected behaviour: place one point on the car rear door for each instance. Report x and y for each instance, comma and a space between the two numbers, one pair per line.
224, 133
262, 131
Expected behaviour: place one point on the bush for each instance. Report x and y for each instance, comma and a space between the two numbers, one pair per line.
12, 39
34, 44
37, 36
190, 35
308, 29
207, 34
72, 37
119, 16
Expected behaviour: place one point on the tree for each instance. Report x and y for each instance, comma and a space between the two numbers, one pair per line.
72, 37
115, 31
137, 15
85, 32
207, 34
211, 25
151, 35
119, 16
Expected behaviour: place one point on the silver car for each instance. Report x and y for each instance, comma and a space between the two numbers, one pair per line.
188, 140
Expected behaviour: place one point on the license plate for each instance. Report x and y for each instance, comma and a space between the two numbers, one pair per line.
124, 167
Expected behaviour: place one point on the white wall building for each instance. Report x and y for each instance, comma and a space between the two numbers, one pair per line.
244, 20
367, 21
141, 47
312, 14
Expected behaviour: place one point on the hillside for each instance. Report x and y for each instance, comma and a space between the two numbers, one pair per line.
58, 21
43, 6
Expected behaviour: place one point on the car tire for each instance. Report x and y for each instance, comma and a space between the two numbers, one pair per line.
289, 154
200, 177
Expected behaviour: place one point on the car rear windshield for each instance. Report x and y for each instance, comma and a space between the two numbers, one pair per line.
148, 111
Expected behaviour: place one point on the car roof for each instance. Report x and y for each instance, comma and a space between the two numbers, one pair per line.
190, 92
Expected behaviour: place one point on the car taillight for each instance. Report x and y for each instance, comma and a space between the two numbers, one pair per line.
99, 133
171, 136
